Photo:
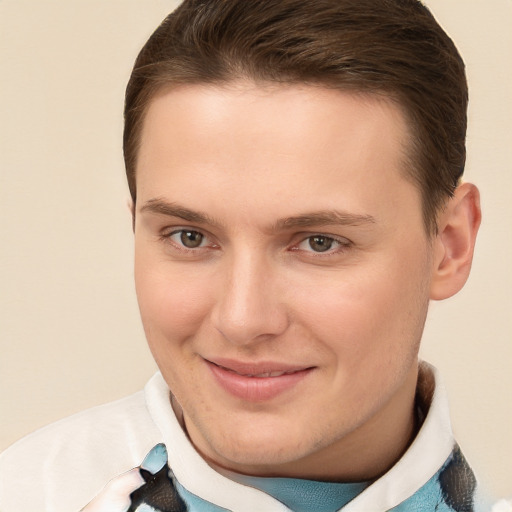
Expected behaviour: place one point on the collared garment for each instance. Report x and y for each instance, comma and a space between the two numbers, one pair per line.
132, 455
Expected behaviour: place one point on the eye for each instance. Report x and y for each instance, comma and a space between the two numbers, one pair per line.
322, 244
187, 238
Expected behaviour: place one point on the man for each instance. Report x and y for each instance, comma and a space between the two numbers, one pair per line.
295, 170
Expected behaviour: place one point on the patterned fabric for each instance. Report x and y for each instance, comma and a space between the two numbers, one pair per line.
450, 490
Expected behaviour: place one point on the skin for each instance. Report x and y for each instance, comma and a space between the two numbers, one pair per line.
229, 164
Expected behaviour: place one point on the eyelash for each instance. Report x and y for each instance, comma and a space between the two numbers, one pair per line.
342, 243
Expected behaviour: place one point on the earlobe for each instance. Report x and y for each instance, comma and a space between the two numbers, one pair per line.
455, 242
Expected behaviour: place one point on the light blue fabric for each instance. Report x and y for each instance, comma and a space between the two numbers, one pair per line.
298, 495
155, 459
307, 495
145, 508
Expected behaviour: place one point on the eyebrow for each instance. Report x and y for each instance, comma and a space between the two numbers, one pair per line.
162, 207
309, 219
323, 218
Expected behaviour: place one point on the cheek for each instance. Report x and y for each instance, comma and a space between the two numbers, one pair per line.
370, 313
172, 302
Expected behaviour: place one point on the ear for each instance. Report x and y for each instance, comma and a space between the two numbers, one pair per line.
454, 244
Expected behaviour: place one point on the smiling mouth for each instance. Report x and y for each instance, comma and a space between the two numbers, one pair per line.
261, 375
257, 382
257, 370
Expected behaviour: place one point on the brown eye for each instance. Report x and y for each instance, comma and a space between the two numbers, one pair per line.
320, 243
191, 239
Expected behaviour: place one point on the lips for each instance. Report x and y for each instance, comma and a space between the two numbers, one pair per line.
256, 382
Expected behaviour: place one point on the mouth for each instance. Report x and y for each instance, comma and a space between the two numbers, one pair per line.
261, 375
257, 382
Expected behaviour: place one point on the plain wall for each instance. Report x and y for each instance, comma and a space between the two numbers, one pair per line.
70, 331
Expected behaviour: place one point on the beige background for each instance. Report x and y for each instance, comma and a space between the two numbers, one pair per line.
70, 332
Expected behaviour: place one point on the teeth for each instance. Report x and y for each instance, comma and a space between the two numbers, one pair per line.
267, 374
261, 375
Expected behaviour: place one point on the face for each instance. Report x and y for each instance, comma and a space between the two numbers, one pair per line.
282, 270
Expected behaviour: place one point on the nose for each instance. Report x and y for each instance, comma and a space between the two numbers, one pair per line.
249, 306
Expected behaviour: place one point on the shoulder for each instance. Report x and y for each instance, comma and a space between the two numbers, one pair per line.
62, 466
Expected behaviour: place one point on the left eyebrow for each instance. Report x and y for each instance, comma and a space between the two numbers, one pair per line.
323, 218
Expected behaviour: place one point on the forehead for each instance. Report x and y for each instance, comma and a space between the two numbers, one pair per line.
302, 144
313, 111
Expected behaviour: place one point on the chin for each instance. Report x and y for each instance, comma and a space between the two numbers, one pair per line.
253, 448
255, 458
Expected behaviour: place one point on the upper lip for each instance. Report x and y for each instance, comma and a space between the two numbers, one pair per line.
261, 368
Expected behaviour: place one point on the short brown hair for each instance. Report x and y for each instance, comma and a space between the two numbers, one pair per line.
390, 47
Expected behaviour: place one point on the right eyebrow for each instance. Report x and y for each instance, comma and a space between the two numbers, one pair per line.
162, 207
